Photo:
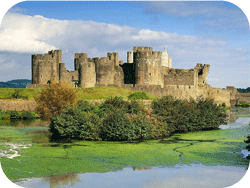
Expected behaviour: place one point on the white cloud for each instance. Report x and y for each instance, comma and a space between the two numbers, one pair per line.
32, 34
22, 34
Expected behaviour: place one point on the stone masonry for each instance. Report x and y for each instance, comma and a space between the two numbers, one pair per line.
145, 70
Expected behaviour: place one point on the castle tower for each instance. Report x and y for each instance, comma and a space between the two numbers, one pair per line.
113, 57
87, 74
164, 59
76, 59
104, 70
46, 67
202, 73
169, 62
130, 57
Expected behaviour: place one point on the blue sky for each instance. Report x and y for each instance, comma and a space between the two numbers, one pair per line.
215, 33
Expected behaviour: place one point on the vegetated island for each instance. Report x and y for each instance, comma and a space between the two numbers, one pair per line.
116, 119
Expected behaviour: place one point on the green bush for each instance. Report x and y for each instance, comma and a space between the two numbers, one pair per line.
27, 115
135, 107
14, 114
111, 104
85, 106
184, 116
138, 95
116, 126
74, 124
16, 94
142, 127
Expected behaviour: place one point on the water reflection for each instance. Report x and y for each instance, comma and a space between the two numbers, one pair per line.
25, 123
185, 176
69, 179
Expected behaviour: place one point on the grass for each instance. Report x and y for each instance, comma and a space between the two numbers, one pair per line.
26, 93
93, 93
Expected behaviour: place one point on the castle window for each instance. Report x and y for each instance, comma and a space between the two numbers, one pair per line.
89, 64
41, 76
189, 87
149, 74
72, 77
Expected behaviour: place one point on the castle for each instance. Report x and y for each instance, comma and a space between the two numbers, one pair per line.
145, 70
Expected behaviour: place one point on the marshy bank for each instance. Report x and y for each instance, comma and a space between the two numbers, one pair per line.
204, 154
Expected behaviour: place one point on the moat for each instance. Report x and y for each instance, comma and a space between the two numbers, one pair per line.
202, 159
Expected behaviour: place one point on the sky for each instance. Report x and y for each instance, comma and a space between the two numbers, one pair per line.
207, 32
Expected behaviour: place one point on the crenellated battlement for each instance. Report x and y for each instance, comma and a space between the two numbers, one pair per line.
144, 67
142, 48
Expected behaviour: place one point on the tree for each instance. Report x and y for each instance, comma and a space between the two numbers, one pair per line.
54, 98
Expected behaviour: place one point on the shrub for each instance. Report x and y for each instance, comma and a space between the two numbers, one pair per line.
116, 126
142, 127
74, 124
28, 115
183, 115
14, 114
135, 107
53, 99
16, 94
138, 95
111, 104
85, 106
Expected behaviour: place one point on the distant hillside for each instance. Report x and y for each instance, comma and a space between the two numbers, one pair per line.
20, 83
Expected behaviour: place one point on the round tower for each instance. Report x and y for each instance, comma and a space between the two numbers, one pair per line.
130, 57
87, 74
164, 59
141, 68
35, 68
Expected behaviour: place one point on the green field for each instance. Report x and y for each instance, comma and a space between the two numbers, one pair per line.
93, 93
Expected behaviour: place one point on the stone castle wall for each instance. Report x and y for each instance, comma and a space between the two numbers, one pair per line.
181, 77
244, 97
145, 70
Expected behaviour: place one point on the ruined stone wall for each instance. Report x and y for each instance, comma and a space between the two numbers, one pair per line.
220, 96
118, 75
202, 73
113, 57
244, 97
64, 75
129, 73
184, 92
180, 77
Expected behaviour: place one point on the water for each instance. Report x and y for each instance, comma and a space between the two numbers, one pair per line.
199, 159
196, 175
